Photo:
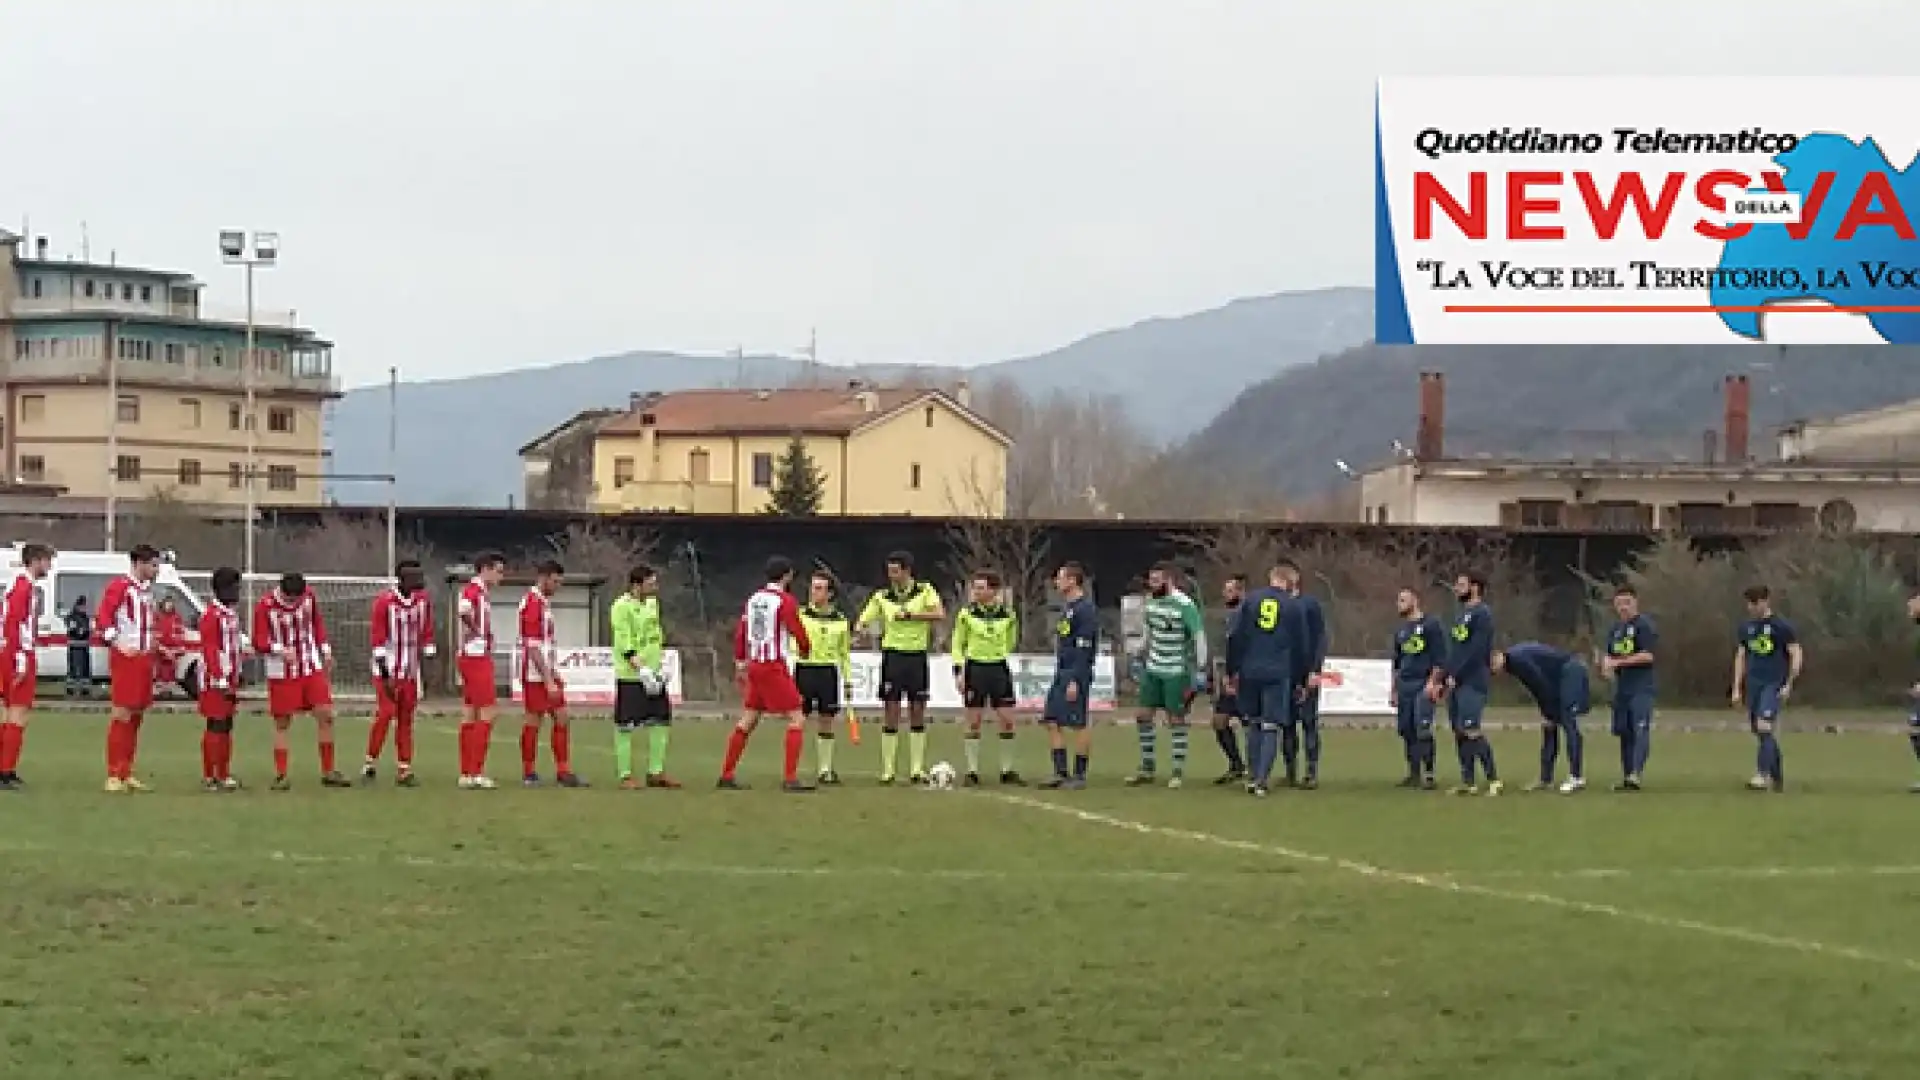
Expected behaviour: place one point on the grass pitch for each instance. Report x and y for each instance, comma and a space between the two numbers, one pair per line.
1692, 931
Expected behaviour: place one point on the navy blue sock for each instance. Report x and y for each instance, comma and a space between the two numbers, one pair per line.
1079, 766
1485, 746
1290, 749
1230, 746
1770, 757
1310, 736
1549, 753
1464, 747
1059, 761
1576, 751
1264, 747
1914, 741
1626, 754
1428, 754
1412, 747
1642, 750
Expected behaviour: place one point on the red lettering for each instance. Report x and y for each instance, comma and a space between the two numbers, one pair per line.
1471, 219
1519, 206
1874, 204
1629, 188
1707, 191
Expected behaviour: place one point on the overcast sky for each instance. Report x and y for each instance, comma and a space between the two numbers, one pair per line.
489, 184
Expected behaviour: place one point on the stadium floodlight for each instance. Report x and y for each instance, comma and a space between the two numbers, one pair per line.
233, 245
266, 247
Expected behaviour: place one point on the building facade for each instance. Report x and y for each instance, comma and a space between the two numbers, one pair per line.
909, 452
117, 380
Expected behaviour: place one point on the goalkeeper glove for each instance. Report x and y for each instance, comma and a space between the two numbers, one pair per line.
650, 680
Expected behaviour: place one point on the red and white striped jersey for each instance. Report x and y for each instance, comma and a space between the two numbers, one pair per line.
401, 632
770, 628
220, 645
476, 620
22, 632
126, 614
536, 634
289, 634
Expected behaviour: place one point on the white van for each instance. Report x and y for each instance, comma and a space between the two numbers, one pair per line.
86, 573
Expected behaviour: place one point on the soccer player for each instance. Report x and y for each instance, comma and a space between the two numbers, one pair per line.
1267, 629
1464, 681
543, 694
221, 650
1419, 646
1629, 663
20, 646
1175, 655
1077, 642
1226, 705
985, 633
821, 672
640, 696
401, 633
1557, 681
1311, 660
478, 692
292, 638
1765, 664
1913, 692
769, 632
905, 611
126, 625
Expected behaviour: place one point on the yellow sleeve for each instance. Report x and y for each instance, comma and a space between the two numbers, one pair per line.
846, 653
961, 632
1013, 630
871, 613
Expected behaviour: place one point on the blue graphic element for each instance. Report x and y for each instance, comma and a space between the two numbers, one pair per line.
1832, 269
1391, 325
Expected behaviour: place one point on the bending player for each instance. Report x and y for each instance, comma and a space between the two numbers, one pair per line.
1557, 682
1418, 646
126, 625
221, 651
821, 672
543, 693
768, 634
291, 638
401, 630
641, 698
1226, 704
985, 633
1765, 664
478, 691
21, 646
1175, 654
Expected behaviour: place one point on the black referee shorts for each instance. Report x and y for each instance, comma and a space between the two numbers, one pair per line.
904, 676
819, 686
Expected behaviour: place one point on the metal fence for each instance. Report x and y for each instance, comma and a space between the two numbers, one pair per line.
346, 606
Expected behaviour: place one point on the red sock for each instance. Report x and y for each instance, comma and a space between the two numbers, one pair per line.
403, 742
326, 756
795, 737
377, 738
10, 738
562, 737
279, 761
116, 741
130, 746
482, 739
223, 759
736, 745
529, 746
209, 756
466, 747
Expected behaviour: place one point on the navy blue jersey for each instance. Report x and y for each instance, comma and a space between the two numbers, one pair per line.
1538, 667
1419, 646
1267, 629
1470, 650
1635, 635
1765, 641
1078, 638
79, 627
1311, 655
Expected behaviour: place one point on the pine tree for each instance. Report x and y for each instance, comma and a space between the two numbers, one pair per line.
799, 487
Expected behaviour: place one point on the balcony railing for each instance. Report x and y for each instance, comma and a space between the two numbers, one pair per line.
227, 377
235, 314
672, 496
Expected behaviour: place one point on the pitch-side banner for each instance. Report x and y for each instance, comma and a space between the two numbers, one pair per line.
1647, 210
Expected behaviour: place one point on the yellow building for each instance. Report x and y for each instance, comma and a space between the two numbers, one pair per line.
917, 452
115, 377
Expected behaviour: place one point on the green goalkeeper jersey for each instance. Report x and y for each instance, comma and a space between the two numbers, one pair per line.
636, 630
1176, 639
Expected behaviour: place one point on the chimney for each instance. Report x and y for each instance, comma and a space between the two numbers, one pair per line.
636, 401
1709, 446
869, 401
963, 393
1430, 436
1734, 427
40, 249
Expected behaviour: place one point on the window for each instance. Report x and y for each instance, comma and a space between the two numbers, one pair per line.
126, 468
88, 288
175, 353
128, 409
1381, 516
233, 417
220, 357
33, 468
763, 470
21, 346
1782, 515
126, 292
699, 466
913, 476
235, 476
190, 412
36, 288
1632, 516
146, 294
622, 471
1541, 513
33, 408
282, 477
929, 416
189, 473
280, 420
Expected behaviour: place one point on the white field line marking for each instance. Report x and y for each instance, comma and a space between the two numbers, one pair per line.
1445, 884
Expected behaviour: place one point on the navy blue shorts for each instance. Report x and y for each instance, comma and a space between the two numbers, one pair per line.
1269, 703
1067, 714
1466, 708
1632, 712
1414, 710
1306, 705
1763, 703
1575, 698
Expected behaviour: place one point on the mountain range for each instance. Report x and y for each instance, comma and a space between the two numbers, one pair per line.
1172, 375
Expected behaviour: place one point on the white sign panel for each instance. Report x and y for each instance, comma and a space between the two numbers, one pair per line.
1627, 210
588, 675
1350, 687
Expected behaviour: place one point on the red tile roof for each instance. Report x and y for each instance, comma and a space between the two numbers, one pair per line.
773, 412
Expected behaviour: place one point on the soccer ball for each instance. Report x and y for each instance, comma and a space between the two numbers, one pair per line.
940, 777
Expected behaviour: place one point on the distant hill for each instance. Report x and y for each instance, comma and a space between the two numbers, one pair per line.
1172, 374
1631, 401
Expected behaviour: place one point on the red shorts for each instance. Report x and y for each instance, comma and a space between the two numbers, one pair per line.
539, 700
217, 705
477, 690
301, 693
397, 697
130, 680
20, 688
770, 689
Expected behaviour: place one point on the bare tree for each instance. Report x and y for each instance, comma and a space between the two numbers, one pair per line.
1017, 547
1073, 455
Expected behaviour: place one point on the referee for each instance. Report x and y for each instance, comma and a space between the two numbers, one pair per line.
905, 612
984, 635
